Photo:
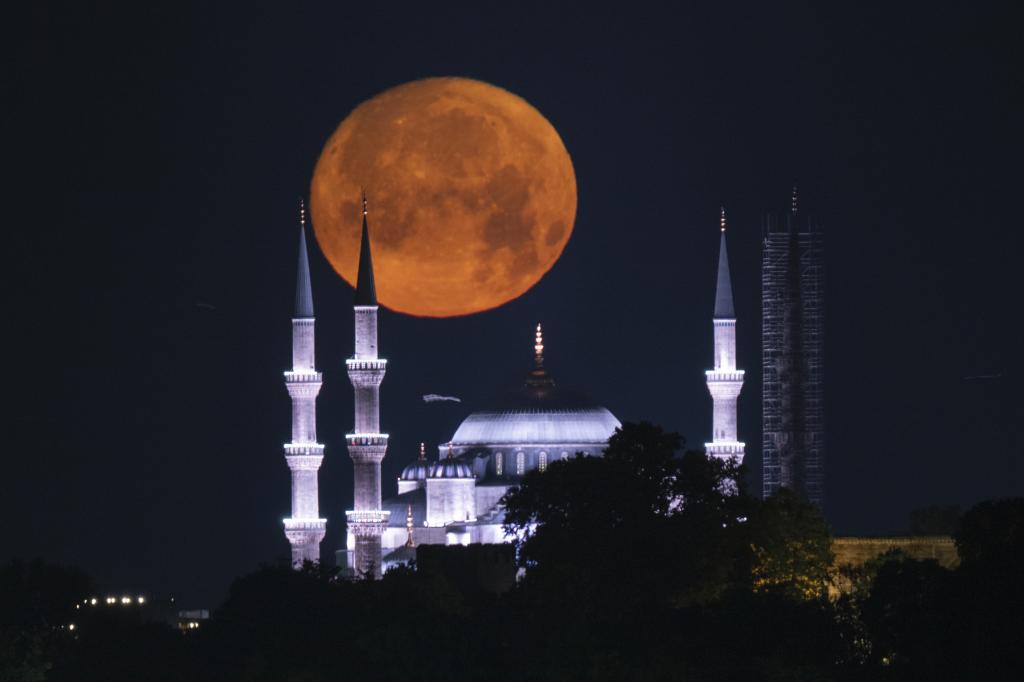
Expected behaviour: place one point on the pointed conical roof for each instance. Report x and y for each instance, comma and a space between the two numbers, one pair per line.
366, 290
723, 293
303, 289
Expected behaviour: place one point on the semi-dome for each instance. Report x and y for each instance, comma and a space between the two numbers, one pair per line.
539, 413
450, 468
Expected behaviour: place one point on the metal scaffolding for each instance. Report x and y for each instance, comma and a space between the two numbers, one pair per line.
792, 357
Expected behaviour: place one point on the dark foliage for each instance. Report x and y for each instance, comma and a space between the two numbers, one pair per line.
648, 563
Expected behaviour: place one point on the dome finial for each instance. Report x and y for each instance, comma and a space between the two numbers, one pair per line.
408, 527
538, 347
302, 212
423, 452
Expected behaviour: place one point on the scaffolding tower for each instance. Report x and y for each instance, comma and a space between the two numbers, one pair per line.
792, 356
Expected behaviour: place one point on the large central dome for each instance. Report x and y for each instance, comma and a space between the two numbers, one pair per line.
535, 416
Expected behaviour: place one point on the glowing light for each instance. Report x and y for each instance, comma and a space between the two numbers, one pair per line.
538, 345
111, 600
142, 600
71, 627
126, 600
93, 601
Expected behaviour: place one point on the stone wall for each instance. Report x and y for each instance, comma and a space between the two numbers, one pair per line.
855, 551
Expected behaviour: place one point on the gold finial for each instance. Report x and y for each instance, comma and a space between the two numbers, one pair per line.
302, 212
364, 202
794, 199
538, 346
408, 527
722, 219
423, 452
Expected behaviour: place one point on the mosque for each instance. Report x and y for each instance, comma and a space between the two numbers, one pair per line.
455, 499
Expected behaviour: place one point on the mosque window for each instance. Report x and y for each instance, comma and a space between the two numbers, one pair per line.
543, 461
520, 463
497, 463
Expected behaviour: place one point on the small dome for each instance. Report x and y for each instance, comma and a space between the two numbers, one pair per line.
450, 468
419, 469
415, 471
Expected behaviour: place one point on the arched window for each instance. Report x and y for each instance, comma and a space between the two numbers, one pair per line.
542, 462
498, 463
520, 463
565, 455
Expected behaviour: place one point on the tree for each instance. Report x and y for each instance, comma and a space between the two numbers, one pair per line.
909, 615
792, 546
641, 525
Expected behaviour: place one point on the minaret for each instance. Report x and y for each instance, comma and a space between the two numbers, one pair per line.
724, 381
366, 445
304, 529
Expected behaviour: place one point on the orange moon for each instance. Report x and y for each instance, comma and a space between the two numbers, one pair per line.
470, 190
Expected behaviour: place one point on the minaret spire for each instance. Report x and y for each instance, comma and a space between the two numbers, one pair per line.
303, 289
304, 528
366, 289
724, 381
723, 292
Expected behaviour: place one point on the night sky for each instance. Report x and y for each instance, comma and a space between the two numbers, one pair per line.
159, 157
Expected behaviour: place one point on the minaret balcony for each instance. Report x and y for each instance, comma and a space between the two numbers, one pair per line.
366, 438
720, 376
305, 524
362, 364
304, 449
367, 523
300, 532
303, 377
725, 448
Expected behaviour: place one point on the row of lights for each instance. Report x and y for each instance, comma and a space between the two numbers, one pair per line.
112, 600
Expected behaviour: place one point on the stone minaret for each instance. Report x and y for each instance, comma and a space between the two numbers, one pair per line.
304, 529
724, 381
366, 445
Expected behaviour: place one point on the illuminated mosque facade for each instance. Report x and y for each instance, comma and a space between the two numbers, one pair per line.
455, 499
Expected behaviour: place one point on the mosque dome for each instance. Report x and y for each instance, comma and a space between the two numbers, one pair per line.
450, 468
415, 471
539, 413
418, 470
530, 418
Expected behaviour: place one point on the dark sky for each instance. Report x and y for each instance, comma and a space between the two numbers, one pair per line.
160, 156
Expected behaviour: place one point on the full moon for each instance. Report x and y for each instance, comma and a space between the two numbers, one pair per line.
470, 190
